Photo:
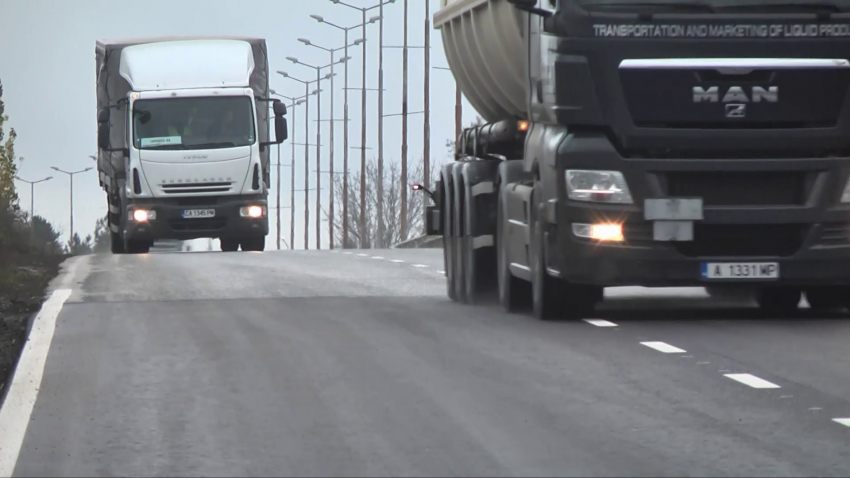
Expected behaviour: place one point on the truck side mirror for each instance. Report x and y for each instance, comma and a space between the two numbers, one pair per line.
279, 108
103, 135
281, 129
103, 115
530, 6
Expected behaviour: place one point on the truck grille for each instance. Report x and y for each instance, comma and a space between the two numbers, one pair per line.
835, 234
194, 188
767, 240
739, 188
184, 225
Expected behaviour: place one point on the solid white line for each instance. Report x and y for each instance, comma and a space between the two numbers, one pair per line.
17, 409
751, 380
663, 347
397, 261
419, 265
843, 421
600, 322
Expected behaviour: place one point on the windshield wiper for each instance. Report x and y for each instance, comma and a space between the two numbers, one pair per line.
220, 144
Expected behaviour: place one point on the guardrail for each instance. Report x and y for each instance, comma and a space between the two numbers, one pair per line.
421, 242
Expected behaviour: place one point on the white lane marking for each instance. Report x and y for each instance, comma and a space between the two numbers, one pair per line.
600, 322
348, 253
363, 255
843, 421
663, 347
419, 265
441, 272
751, 380
397, 261
17, 409
377, 257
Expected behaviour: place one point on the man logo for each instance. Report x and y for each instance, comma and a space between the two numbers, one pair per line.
736, 94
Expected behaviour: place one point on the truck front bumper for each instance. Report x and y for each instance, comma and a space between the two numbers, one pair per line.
226, 221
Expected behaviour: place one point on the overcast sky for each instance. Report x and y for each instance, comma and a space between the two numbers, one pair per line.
47, 66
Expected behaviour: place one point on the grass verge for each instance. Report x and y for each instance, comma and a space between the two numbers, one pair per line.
23, 282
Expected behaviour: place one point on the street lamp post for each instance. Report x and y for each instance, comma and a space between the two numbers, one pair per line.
458, 107
345, 120
306, 151
295, 102
32, 195
333, 147
318, 140
71, 175
363, 11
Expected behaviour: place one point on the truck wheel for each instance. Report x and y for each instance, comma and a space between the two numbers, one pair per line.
553, 297
254, 244
459, 249
229, 244
138, 247
778, 300
448, 243
822, 299
514, 293
116, 243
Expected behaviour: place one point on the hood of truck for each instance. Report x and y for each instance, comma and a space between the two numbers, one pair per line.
181, 173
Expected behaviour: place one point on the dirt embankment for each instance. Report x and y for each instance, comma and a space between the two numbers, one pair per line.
23, 281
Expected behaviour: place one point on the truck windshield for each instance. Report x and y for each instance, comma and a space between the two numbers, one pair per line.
193, 123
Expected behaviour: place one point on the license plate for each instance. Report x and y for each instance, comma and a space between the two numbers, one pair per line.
740, 270
198, 213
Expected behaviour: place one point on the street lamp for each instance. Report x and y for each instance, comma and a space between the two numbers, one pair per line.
306, 150
345, 118
32, 195
318, 139
345, 166
295, 102
363, 10
71, 176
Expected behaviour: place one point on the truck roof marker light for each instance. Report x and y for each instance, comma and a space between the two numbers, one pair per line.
523, 125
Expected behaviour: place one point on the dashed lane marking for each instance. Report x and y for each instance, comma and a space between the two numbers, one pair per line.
363, 255
663, 347
751, 380
600, 322
419, 265
377, 257
441, 272
842, 421
397, 261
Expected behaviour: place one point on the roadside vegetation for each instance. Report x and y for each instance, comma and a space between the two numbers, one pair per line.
30, 255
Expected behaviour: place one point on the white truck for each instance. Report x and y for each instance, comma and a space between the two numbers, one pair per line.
183, 140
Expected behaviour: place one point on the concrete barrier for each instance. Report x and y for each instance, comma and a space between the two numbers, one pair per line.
421, 242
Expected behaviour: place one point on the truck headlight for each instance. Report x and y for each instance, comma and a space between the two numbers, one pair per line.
142, 215
598, 186
254, 212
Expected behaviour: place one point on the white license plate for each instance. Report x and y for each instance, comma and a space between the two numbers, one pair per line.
198, 213
740, 270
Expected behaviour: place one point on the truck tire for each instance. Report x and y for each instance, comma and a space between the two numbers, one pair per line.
116, 244
778, 301
514, 293
828, 298
138, 247
229, 244
553, 297
448, 240
458, 238
254, 244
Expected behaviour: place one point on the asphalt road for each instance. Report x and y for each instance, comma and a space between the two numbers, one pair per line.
329, 364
